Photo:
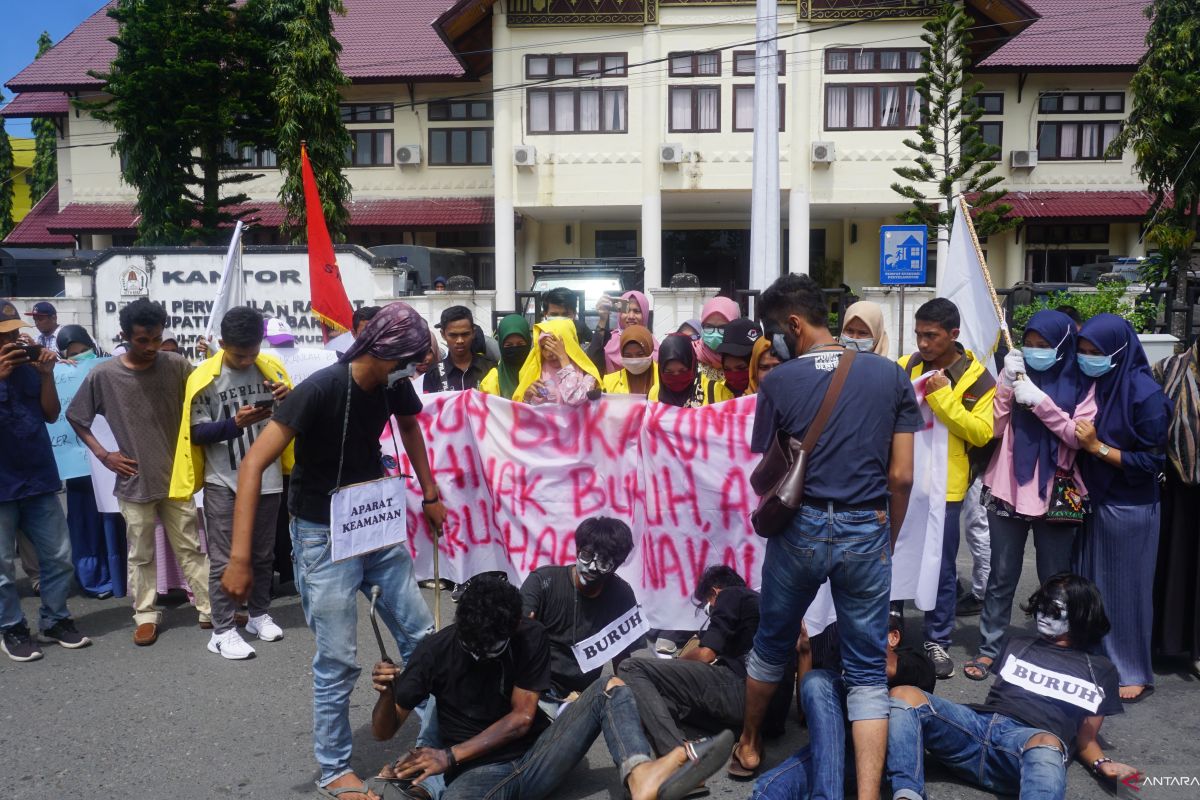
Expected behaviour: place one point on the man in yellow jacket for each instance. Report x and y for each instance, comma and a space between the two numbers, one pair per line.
960, 394
228, 400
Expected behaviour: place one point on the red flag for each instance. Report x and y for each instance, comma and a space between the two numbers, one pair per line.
329, 302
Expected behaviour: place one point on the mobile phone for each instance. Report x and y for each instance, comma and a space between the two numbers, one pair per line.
32, 351
264, 403
620, 305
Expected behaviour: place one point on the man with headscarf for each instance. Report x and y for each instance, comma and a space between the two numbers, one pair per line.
336, 418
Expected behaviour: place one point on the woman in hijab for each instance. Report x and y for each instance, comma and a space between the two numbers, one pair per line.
75, 343
863, 329
638, 375
1120, 467
716, 314
691, 328
557, 370
515, 337
1035, 420
605, 347
762, 361
1177, 581
680, 383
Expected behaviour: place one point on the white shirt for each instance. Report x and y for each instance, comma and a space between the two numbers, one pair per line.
49, 340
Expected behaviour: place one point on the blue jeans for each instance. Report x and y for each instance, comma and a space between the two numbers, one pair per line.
42, 519
817, 771
987, 750
851, 550
561, 747
327, 595
939, 623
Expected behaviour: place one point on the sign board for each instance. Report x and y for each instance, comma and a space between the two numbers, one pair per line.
903, 252
70, 454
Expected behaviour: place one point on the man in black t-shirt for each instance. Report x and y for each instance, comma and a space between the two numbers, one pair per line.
336, 418
577, 602
487, 672
1047, 704
706, 686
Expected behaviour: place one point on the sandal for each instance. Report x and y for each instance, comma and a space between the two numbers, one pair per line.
334, 794
737, 769
705, 757
981, 664
397, 789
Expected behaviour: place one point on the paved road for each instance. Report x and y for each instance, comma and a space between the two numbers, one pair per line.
174, 721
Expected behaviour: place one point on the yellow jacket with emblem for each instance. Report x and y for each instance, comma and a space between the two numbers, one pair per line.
618, 382
187, 474
968, 417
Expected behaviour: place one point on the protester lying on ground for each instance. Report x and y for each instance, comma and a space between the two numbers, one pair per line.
605, 349
516, 339
1046, 705
763, 359
638, 373
863, 329
1033, 471
557, 370
716, 314
736, 349
336, 418
820, 768
499, 744
680, 382
463, 368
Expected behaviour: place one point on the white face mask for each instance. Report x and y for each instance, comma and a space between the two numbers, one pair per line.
861, 345
637, 366
397, 375
1056, 626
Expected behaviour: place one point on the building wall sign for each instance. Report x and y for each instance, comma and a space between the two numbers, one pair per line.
528, 13
866, 9
135, 282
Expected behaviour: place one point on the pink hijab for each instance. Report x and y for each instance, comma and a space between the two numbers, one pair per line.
612, 348
726, 308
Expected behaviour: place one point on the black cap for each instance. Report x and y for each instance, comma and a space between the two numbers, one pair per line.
740, 336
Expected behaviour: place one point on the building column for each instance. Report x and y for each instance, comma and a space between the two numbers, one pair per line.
797, 108
652, 128
502, 139
1014, 259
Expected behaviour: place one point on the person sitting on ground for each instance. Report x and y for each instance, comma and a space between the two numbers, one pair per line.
499, 744
638, 373
516, 338
557, 371
576, 602
736, 347
1046, 705
362, 315
605, 349
680, 382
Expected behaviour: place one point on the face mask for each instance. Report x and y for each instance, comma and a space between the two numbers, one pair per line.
514, 355
779, 346
738, 379
591, 568
1040, 359
1052, 621
713, 337
86, 355
861, 345
679, 382
495, 651
397, 375
637, 366
1094, 366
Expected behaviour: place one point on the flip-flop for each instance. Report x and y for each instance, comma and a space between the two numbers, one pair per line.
705, 757
1146, 692
335, 794
737, 769
397, 789
979, 664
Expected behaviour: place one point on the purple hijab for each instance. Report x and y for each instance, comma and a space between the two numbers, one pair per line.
396, 333
612, 348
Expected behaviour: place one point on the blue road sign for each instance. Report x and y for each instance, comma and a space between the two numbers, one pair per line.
902, 255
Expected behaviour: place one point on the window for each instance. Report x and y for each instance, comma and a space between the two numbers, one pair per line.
744, 62
993, 134
743, 108
460, 110
577, 65
1067, 234
250, 156
864, 106
578, 110
1082, 103
460, 146
868, 59
483, 237
1075, 140
370, 149
695, 109
990, 102
686, 65
366, 112
616, 244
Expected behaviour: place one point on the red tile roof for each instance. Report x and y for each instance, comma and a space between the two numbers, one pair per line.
31, 231
1077, 34
381, 40
94, 218
37, 104
1080, 205
424, 213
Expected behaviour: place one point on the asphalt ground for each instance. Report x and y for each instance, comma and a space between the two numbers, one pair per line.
175, 721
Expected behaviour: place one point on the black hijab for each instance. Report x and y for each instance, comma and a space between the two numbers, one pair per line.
676, 347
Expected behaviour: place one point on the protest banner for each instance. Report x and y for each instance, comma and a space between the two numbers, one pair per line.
69, 452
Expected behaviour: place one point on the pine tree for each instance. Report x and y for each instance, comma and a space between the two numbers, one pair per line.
306, 94
951, 152
7, 190
45, 158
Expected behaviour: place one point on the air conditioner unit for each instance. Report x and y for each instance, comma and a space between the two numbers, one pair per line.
1026, 159
670, 154
822, 152
408, 154
525, 155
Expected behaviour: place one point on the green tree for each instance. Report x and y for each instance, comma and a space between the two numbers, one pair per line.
188, 81
306, 91
45, 158
1163, 130
951, 152
7, 177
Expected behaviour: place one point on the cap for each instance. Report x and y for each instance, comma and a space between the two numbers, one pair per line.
740, 336
169, 336
277, 332
10, 318
42, 308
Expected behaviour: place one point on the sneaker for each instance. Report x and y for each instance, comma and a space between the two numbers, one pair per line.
18, 645
63, 632
264, 628
665, 646
943, 665
968, 606
230, 644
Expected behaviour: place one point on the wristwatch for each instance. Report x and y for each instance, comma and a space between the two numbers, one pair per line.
1104, 450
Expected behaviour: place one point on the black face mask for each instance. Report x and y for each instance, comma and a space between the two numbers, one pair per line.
514, 355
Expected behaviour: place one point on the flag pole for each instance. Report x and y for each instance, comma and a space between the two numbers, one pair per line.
963, 208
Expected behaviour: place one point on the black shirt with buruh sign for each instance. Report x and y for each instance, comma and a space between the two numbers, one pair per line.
1052, 688
473, 695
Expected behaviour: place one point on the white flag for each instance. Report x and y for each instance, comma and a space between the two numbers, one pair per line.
231, 292
965, 281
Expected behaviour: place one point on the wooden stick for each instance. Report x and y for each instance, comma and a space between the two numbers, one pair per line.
987, 275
